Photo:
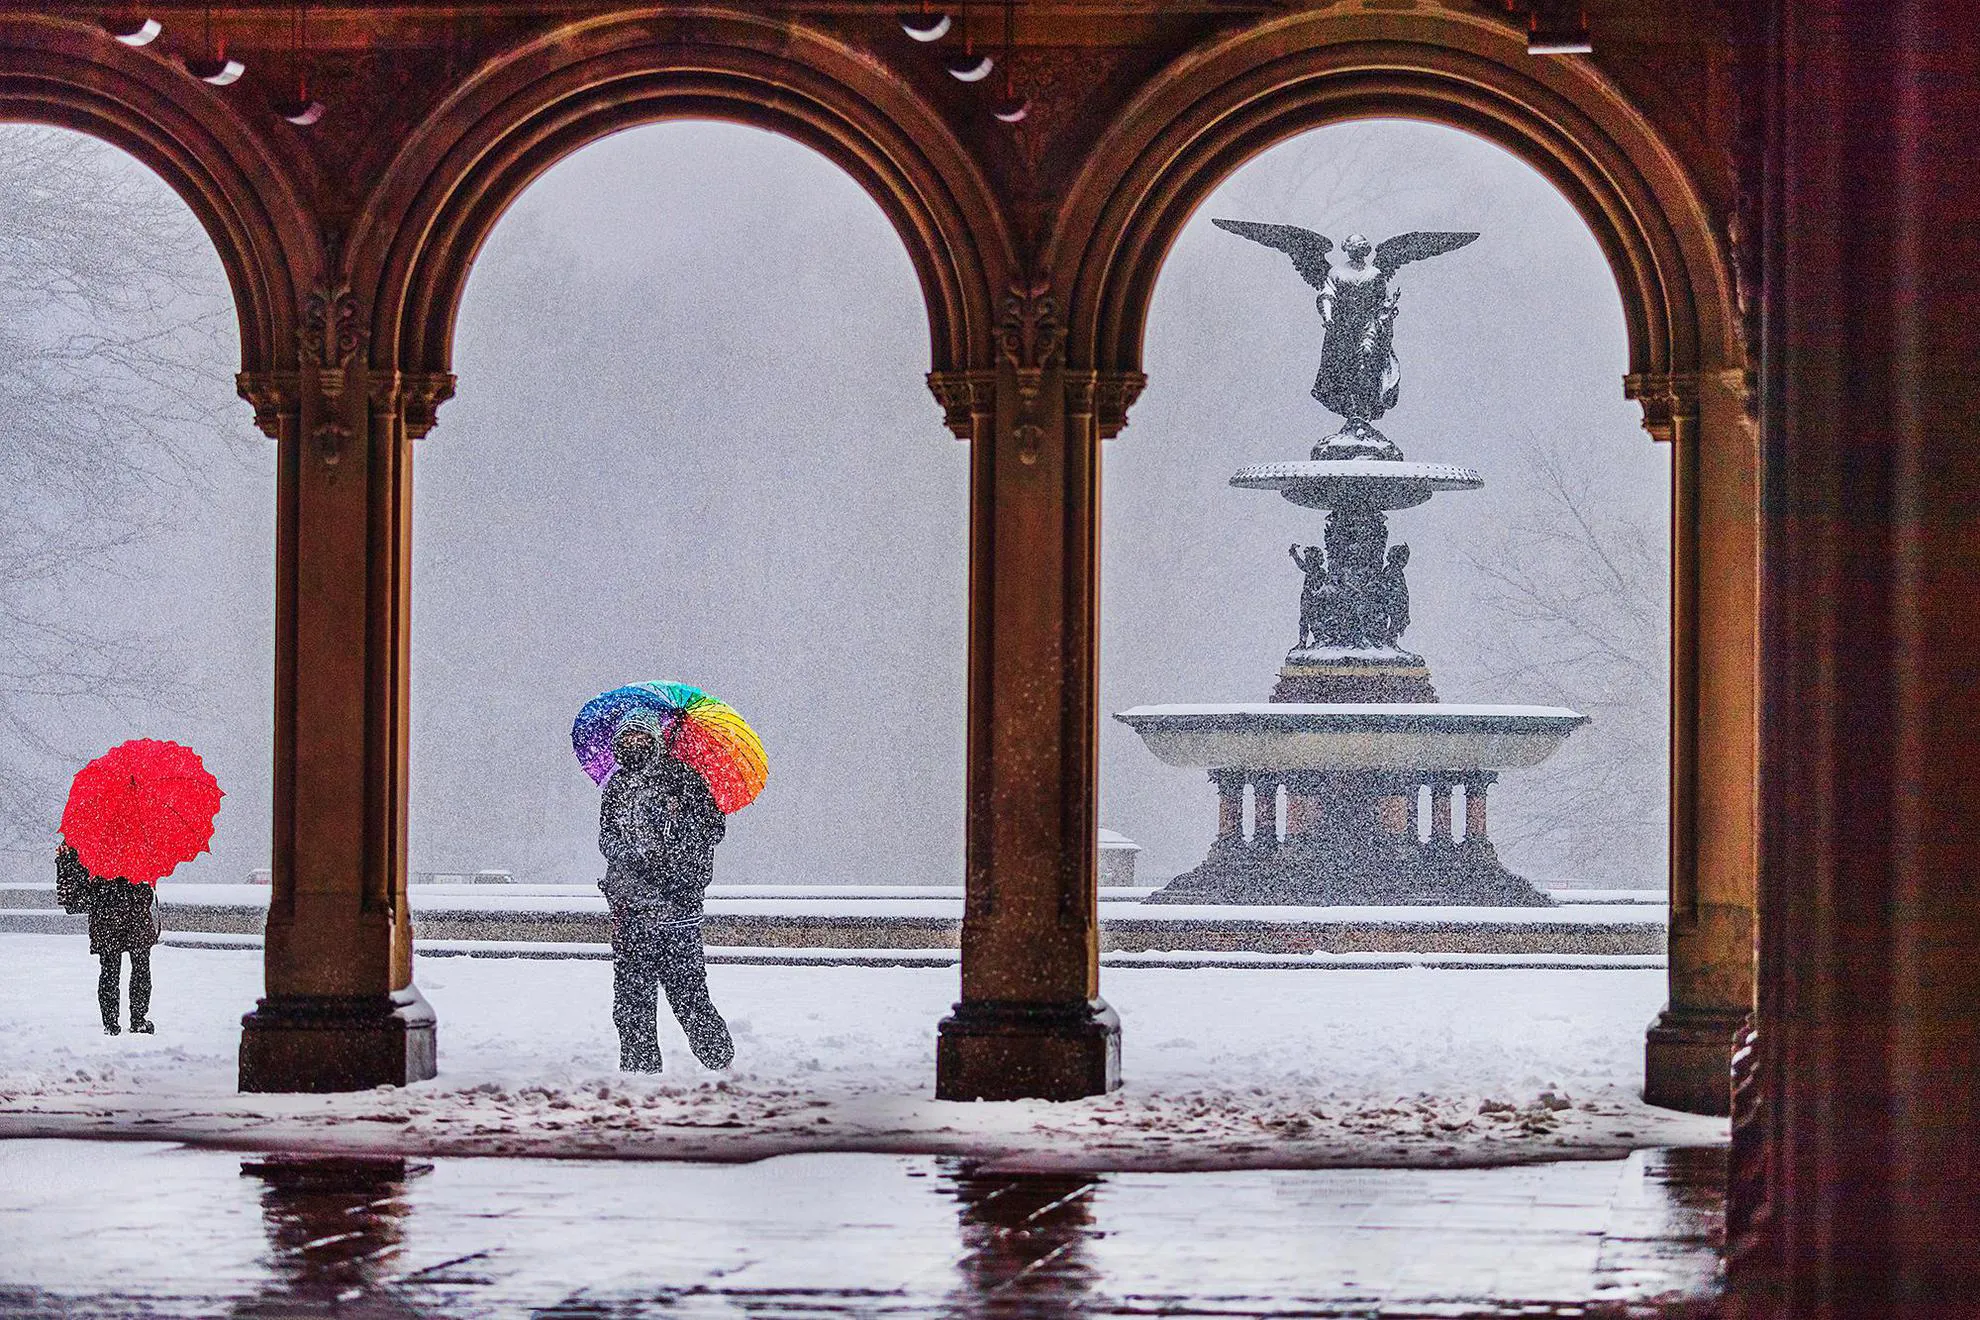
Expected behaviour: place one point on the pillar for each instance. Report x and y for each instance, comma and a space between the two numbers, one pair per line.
340, 1011
1476, 832
1031, 1023
1230, 807
1440, 813
1714, 744
1868, 1018
1265, 811
1393, 811
1306, 807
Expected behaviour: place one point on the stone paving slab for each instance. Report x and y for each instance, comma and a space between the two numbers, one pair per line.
173, 1232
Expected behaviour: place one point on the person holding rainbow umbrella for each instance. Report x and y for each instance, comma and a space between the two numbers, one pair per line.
674, 762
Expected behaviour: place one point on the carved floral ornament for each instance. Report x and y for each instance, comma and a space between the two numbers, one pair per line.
331, 332
1031, 338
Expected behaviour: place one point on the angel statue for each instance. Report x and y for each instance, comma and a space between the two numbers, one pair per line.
1358, 374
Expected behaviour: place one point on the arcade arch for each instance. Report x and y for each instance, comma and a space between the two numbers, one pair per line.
1196, 122
1036, 356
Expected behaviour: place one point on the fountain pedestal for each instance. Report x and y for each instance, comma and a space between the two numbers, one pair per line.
1338, 673
1384, 803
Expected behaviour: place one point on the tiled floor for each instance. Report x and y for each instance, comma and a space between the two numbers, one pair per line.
127, 1229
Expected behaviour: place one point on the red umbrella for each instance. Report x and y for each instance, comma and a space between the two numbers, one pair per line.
140, 809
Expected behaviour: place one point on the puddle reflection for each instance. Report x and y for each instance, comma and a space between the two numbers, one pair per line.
335, 1226
843, 1235
1023, 1239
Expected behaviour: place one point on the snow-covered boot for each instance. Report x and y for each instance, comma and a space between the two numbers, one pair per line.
708, 1037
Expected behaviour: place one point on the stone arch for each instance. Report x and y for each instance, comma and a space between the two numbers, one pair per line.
530, 109
1208, 113
68, 75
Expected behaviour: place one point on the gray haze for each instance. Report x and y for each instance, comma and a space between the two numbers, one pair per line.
692, 441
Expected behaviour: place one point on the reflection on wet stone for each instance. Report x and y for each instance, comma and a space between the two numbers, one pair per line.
335, 1225
863, 1236
1022, 1238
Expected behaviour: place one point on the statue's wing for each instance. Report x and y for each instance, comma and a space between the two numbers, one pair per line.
1390, 254
1307, 249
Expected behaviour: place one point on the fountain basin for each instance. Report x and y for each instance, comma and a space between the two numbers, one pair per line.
1380, 484
1285, 735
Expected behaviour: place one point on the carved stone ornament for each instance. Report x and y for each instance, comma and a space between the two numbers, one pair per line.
1669, 399
1030, 335
274, 395
1031, 338
332, 438
416, 395
963, 396
1114, 392
331, 334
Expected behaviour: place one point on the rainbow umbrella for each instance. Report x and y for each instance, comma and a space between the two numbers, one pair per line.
702, 732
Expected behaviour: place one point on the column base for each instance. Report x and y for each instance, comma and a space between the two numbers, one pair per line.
337, 1042
1000, 1049
1687, 1059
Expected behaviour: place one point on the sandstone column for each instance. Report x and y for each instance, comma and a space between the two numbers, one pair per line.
340, 1011
1476, 786
1031, 1022
1714, 737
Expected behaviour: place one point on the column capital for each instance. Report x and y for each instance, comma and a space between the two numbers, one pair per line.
1105, 396
1669, 400
416, 394
965, 397
273, 395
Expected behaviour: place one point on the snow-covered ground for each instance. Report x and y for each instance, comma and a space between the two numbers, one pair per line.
1223, 1068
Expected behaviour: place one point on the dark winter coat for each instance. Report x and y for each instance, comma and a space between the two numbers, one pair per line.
123, 917
658, 826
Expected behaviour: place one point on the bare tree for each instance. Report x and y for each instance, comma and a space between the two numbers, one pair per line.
113, 315
1581, 588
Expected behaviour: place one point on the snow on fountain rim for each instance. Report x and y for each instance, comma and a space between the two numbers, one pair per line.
1363, 735
1352, 711
1437, 476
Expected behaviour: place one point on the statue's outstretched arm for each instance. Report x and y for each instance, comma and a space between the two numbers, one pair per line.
1307, 249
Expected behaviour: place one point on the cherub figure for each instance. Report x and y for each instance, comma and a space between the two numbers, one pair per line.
1316, 595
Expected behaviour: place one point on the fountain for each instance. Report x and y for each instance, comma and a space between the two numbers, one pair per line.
1353, 734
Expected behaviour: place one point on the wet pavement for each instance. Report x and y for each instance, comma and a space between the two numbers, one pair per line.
149, 1229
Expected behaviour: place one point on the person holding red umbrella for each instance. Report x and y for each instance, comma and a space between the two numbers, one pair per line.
123, 921
133, 815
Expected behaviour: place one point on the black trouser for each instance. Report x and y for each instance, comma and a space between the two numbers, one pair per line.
646, 955
113, 972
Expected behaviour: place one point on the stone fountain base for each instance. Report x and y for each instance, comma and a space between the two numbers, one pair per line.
1378, 874
1383, 804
